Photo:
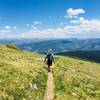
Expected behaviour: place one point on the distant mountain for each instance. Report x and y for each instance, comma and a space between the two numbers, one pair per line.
58, 45
86, 55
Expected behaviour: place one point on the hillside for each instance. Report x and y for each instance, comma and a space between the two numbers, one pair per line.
76, 79
21, 76
86, 55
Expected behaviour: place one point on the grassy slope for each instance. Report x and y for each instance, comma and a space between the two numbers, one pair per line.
19, 72
76, 79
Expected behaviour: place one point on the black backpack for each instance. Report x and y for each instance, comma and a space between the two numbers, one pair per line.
50, 57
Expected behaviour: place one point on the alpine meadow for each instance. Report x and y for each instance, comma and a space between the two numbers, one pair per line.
49, 49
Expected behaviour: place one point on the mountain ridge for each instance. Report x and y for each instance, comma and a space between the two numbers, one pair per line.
58, 45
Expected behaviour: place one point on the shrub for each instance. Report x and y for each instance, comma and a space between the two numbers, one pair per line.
12, 46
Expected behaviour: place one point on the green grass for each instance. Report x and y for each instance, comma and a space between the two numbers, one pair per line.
12, 46
76, 79
19, 74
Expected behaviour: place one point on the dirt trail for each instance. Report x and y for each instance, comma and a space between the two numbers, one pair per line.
49, 94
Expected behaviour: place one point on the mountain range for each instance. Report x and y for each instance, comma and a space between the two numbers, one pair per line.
57, 45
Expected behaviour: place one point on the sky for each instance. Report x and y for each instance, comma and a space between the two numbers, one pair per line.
49, 19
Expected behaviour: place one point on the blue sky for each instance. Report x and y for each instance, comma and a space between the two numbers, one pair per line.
49, 18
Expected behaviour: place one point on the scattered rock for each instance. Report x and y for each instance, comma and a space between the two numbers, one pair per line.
74, 94
35, 87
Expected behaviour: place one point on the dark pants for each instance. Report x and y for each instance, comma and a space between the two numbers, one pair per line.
49, 63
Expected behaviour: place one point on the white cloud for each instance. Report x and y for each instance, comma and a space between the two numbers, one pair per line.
80, 20
14, 27
77, 27
74, 21
82, 28
92, 25
63, 23
74, 12
37, 22
46, 33
7, 27
34, 27
5, 31
27, 24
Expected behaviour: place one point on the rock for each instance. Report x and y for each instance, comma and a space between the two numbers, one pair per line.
74, 94
35, 87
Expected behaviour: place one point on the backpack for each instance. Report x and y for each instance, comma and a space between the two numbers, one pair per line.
50, 57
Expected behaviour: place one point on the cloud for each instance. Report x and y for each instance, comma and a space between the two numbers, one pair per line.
63, 23
82, 28
74, 21
85, 28
76, 27
74, 12
92, 25
7, 27
34, 27
27, 24
44, 33
78, 21
5, 31
14, 27
37, 22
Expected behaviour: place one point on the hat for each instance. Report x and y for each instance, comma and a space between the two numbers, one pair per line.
50, 50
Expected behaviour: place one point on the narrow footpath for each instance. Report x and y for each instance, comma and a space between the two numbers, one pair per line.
49, 94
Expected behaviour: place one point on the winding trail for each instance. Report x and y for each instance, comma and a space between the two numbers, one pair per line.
49, 94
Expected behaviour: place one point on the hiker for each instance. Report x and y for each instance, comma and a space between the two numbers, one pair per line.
49, 59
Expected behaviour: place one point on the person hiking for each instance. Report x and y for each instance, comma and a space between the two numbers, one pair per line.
49, 59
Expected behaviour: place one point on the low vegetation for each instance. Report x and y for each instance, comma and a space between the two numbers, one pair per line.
76, 79
12, 46
21, 76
